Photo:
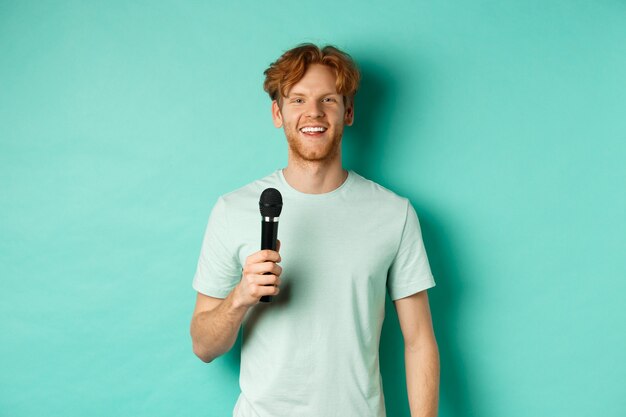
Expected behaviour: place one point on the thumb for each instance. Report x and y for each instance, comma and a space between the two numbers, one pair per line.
277, 245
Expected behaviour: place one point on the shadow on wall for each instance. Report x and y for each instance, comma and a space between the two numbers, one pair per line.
376, 108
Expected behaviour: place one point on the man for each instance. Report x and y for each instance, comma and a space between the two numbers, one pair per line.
344, 241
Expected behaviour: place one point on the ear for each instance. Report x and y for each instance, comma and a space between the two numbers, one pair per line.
348, 116
276, 114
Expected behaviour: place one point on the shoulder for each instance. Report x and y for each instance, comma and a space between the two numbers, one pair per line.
250, 191
379, 195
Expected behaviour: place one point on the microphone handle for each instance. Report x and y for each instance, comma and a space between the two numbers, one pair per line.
269, 234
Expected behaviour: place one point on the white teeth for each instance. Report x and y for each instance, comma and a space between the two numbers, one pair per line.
313, 129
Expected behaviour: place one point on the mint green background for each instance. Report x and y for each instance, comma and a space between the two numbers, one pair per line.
121, 123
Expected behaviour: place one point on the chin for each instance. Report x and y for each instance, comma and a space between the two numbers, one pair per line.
302, 150
326, 155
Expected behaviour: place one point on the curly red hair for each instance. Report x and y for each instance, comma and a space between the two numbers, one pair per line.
293, 64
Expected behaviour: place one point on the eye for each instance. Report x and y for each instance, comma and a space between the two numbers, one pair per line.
329, 99
297, 100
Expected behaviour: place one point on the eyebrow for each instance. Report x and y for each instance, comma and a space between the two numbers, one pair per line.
321, 95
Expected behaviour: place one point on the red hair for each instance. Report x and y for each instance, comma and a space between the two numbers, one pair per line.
293, 64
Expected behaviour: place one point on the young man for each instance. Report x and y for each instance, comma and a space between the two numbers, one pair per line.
344, 241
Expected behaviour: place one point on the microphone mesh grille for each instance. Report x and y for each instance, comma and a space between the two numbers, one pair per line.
271, 203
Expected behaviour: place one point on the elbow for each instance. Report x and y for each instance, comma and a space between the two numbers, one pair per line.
204, 356
198, 350
205, 359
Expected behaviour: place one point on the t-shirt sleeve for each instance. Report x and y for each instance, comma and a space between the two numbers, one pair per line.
219, 269
409, 272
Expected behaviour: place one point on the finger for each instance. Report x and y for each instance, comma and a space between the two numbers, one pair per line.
256, 282
264, 268
265, 280
269, 290
261, 280
263, 256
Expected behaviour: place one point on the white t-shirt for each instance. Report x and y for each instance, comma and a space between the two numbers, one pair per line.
313, 351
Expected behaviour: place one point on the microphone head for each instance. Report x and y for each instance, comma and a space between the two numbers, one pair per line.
271, 202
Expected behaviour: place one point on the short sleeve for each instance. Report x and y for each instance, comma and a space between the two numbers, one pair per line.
218, 270
409, 272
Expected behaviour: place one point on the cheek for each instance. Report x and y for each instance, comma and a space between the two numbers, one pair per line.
339, 118
292, 120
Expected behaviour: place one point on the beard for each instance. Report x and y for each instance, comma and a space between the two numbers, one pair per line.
314, 149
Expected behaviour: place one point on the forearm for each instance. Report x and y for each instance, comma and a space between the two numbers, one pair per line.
422, 379
214, 332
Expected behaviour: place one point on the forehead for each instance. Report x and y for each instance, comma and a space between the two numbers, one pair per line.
318, 79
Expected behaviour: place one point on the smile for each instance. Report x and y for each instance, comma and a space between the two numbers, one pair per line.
313, 129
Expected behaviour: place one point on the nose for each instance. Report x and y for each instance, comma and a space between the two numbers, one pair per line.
315, 110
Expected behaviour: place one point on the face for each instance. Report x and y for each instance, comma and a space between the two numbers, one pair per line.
313, 116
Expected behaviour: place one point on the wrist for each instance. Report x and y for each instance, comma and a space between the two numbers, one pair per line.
235, 300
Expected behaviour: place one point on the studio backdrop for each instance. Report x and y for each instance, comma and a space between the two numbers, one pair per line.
122, 122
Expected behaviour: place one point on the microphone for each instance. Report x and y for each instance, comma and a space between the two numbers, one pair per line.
270, 204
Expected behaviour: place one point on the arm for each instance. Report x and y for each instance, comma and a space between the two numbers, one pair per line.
215, 325
216, 322
421, 354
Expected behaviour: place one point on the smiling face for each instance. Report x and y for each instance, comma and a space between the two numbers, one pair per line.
313, 116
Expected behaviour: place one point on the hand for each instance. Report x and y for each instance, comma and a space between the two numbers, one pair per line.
260, 276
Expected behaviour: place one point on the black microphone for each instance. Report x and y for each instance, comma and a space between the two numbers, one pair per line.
271, 204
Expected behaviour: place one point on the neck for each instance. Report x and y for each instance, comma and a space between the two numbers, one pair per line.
315, 177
